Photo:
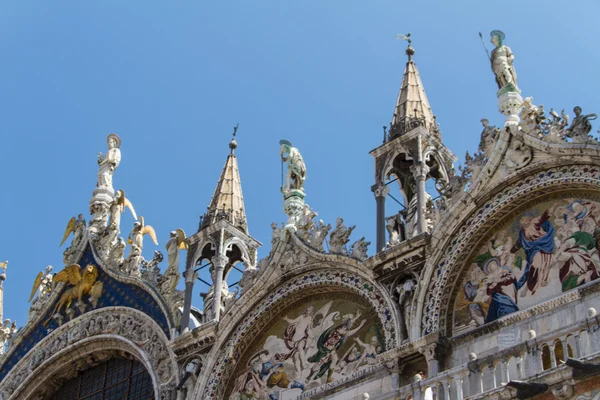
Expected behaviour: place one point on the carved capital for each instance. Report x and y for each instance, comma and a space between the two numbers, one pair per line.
433, 351
395, 365
190, 275
563, 392
419, 170
380, 190
219, 261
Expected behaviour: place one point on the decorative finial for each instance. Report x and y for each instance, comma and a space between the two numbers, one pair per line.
233, 143
409, 50
3, 266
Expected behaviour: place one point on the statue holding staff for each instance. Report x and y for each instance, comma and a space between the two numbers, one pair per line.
296, 169
502, 61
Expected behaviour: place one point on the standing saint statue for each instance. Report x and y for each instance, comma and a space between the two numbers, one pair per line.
296, 169
580, 126
109, 162
502, 61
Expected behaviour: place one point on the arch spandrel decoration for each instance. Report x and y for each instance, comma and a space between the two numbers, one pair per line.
353, 292
115, 294
543, 249
447, 273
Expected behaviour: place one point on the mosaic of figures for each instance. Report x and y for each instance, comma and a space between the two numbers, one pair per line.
320, 341
549, 249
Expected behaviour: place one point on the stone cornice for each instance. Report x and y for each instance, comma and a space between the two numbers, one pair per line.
198, 340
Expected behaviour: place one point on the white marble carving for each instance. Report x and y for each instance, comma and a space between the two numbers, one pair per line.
339, 237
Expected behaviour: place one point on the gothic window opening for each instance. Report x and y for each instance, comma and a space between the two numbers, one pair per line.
116, 379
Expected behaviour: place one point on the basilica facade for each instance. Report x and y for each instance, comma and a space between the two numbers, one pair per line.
486, 289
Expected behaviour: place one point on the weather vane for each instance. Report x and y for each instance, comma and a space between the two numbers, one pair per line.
404, 37
235, 128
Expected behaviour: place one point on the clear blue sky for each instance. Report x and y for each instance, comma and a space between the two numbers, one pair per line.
173, 78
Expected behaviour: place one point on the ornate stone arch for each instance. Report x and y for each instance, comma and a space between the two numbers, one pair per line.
247, 327
199, 249
447, 264
387, 165
100, 333
242, 246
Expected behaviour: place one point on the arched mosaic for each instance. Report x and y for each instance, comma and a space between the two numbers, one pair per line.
321, 339
359, 305
438, 302
541, 251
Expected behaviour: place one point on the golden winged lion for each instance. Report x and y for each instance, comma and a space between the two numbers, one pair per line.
84, 282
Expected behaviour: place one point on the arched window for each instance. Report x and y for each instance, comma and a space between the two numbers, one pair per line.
115, 379
546, 357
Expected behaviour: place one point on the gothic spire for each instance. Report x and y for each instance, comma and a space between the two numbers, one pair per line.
227, 200
412, 107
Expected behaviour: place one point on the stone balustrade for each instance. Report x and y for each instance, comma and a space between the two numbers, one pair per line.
536, 359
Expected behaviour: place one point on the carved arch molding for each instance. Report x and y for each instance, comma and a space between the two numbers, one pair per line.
437, 311
87, 340
294, 290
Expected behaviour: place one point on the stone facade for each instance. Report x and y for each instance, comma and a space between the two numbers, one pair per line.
487, 289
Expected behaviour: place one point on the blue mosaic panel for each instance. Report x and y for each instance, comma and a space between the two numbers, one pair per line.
115, 294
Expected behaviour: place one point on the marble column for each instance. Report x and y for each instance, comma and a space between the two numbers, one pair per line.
577, 349
190, 277
459, 380
420, 171
380, 191
552, 356
219, 262
431, 353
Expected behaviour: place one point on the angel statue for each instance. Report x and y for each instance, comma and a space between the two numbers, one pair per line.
7, 331
82, 282
117, 208
109, 162
296, 170
42, 285
77, 227
136, 237
339, 237
502, 62
175, 243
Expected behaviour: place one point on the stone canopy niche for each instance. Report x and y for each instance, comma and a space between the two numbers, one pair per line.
319, 339
542, 250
